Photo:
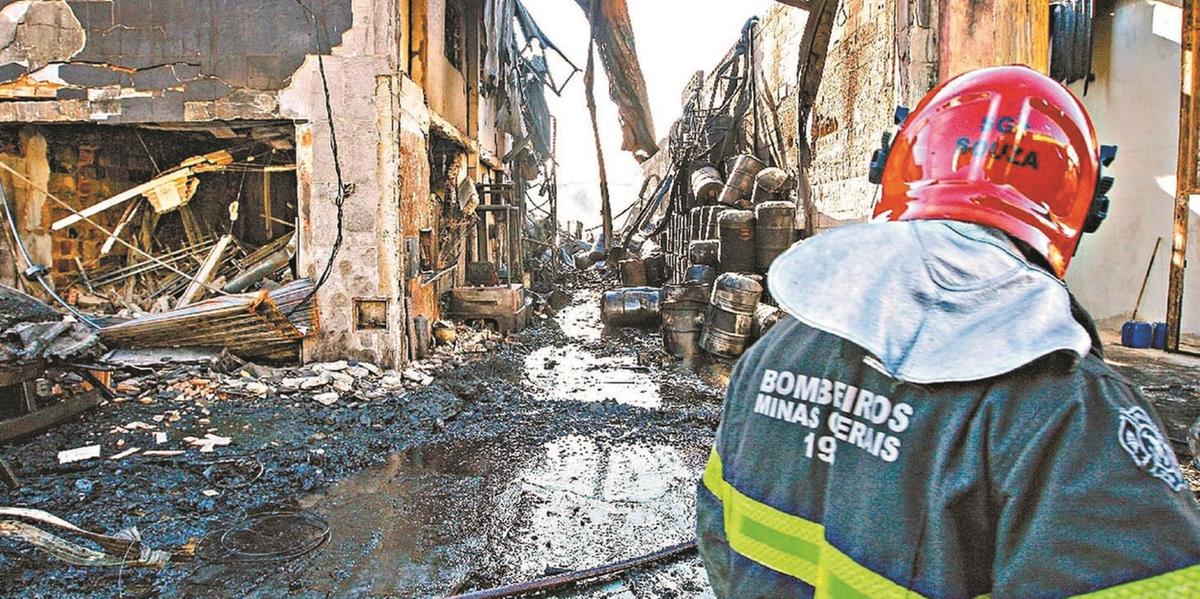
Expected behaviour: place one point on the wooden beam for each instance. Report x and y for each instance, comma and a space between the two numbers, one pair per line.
205, 274
814, 50
1186, 183
805, 4
120, 198
268, 218
589, 82
985, 33
50, 416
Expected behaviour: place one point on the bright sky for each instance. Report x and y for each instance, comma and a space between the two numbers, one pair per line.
675, 38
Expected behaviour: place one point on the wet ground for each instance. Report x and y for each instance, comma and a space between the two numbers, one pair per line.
1172, 384
567, 448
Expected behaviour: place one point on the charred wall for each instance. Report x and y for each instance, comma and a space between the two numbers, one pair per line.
128, 61
232, 64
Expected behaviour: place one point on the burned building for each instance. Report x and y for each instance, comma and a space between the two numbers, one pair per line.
158, 152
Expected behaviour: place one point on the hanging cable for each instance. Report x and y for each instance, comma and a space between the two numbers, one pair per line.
37, 272
321, 37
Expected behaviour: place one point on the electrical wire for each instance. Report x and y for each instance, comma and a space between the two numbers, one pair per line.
321, 37
35, 271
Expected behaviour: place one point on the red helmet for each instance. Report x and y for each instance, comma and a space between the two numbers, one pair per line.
1005, 147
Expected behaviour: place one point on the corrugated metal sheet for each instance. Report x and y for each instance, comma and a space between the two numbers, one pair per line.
262, 325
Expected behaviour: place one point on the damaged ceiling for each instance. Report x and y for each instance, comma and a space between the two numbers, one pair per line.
155, 56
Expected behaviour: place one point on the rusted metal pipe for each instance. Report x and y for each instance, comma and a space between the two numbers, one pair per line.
259, 271
560, 581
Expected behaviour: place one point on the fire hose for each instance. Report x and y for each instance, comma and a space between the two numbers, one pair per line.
551, 583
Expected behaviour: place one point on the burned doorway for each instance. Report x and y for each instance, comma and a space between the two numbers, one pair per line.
135, 220
455, 200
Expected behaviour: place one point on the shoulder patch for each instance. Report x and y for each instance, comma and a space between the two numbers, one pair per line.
1140, 437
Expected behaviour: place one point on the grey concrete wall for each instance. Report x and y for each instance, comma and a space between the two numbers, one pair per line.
1135, 104
366, 92
129, 61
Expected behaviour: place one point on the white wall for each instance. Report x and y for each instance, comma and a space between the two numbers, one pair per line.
1135, 104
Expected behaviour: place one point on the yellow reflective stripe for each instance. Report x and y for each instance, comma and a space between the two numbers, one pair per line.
794, 546
1182, 583
797, 547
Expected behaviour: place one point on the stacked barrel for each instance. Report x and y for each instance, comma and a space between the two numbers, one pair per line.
719, 248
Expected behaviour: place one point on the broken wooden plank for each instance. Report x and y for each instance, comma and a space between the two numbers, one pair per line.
162, 188
8, 475
125, 220
121, 198
47, 417
123, 549
79, 454
202, 278
125, 454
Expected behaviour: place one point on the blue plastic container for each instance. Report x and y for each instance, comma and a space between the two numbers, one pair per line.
1160, 336
1137, 335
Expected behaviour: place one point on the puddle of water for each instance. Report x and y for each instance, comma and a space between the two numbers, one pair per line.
573, 374
588, 503
417, 526
432, 519
581, 319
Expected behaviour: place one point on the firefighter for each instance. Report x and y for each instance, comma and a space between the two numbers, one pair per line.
935, 418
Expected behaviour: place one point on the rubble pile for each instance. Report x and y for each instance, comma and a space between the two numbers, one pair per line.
30, 332
183, 397
146, 266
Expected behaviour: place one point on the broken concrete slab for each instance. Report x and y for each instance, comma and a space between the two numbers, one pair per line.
70, 456
327, 399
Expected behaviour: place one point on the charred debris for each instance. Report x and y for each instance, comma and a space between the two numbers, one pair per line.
183, 263
184, 225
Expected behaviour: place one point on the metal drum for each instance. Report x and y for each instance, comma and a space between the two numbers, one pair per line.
706, 253
633, 273
774, 232
740, 185
631, 307
737, 241
769, 185
730, 317
765, 317
706, 185
683, 309
701, 274
656, 269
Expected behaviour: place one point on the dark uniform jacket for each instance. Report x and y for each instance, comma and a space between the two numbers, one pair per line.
833, 476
